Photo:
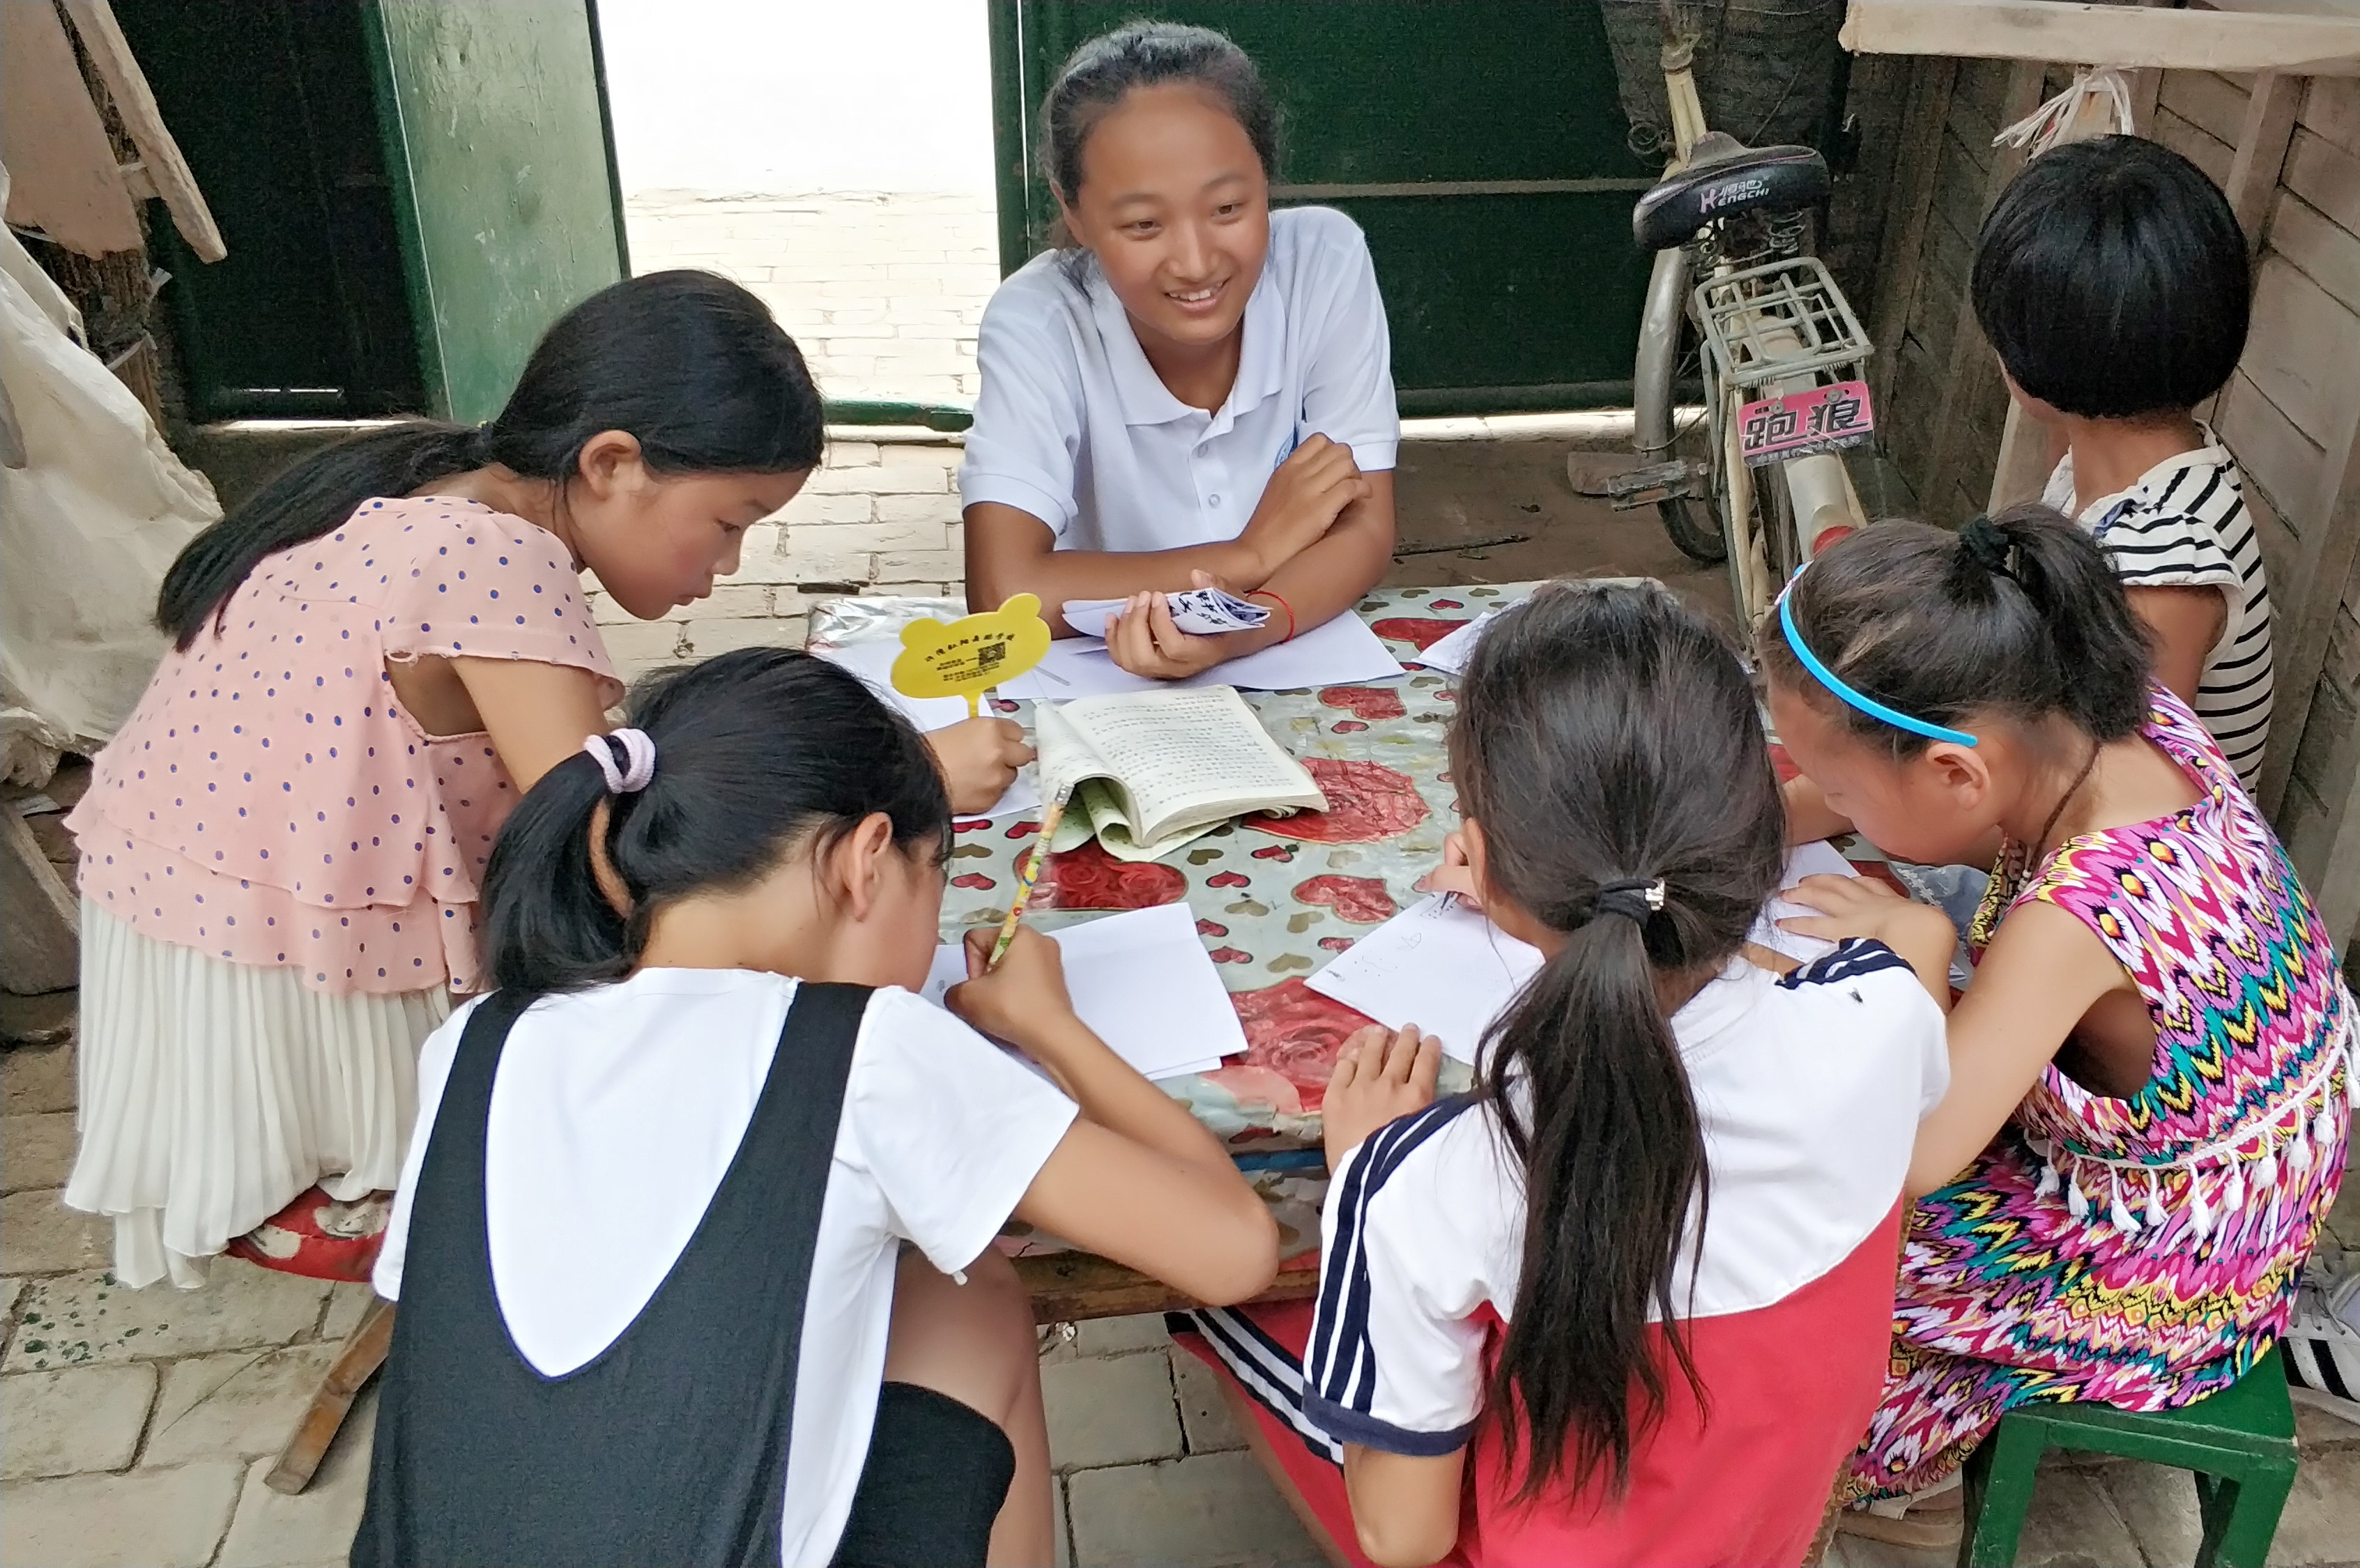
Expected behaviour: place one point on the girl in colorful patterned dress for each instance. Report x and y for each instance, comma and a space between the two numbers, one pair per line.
281, 849
2150, 1072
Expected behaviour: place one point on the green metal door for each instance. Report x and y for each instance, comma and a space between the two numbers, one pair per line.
1481, 145
502, 167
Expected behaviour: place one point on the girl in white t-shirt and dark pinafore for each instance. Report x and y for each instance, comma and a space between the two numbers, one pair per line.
694, 1243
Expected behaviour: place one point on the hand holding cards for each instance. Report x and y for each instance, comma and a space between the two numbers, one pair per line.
1200, 612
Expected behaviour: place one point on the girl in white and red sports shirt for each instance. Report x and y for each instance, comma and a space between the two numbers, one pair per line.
1628, 1300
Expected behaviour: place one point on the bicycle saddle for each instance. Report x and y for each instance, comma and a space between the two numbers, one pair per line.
1724, 176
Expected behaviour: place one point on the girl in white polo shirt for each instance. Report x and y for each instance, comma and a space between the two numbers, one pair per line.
1195, 390
693, 1242
1629, 1300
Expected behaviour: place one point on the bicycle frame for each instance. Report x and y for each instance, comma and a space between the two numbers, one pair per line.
1818, 488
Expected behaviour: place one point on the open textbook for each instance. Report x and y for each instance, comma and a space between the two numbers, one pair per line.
1151, 770
1441, 965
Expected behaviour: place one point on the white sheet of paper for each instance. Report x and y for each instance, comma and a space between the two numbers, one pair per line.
1202, 612
873, 662
1449, 970
1804, 860
1450, 654
1143, 983
1340, 653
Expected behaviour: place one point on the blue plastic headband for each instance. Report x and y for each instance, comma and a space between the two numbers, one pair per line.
1834, 683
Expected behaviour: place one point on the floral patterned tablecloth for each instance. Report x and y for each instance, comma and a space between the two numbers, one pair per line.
1276, 898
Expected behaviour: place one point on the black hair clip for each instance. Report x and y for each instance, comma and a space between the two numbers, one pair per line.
1988, 544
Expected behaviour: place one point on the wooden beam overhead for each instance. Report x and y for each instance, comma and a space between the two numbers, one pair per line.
2128, 36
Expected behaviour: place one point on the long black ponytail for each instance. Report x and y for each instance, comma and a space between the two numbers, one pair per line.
688, 363
1608, 743
758, 752
2018, 614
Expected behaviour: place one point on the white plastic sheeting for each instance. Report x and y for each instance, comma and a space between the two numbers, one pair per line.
88, 524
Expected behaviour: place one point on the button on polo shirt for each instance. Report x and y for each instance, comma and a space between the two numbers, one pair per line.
1074, 425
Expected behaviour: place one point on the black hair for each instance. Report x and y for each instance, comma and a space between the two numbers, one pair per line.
1607, 735
758, 752
1097, 76
687, 362
2111, 277
2018, 614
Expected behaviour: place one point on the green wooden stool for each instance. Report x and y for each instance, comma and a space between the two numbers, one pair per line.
2240, 1443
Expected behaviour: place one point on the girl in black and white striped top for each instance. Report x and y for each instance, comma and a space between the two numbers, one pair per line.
2111, 277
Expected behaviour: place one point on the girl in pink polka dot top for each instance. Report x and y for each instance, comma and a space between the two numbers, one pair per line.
281, 850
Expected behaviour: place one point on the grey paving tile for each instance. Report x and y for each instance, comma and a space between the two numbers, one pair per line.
2073, 1525
2319, 1431
272, 1530
2159, 1505
1121, 1336
1116, 1411
346, 1301
62, 1423
76, 1319
37, 1078
1184, 1513
1205, 1420
147, 1518
239, 1404
39, 1235
36, 1152
2322, 1521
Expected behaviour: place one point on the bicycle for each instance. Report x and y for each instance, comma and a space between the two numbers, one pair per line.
1780, 349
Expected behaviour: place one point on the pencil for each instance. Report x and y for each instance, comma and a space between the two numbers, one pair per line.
1026, 873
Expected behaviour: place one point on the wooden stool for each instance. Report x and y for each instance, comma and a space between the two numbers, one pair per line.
2239, 1442
364, 1352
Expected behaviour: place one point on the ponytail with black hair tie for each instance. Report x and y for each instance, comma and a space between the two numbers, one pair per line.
1634, 900
1989, 546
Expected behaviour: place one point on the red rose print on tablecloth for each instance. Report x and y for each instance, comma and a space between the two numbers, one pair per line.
1348, 726
1782, 764
1295, 1031
1211, 928
1364, 702
1226, 879
973, 879
1360, 899
1278, 852
1230, 955
1419, 632
1367, 802
1336, 943
1087, 877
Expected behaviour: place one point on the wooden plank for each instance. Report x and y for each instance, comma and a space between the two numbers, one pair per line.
2309, 349
2311, 595
110, 51
2277, 458
41, 924
2328, 253
2104, 35
2323, 175
60, 166
1970, 369
1908, 211
1074, 1287
2195, 144
2332, 110
2205, 99
2262, 138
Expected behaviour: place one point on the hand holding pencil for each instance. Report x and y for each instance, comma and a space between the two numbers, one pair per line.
1026, 874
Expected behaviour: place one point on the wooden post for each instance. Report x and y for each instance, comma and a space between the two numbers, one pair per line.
159, 155
2262, 142
1908, 210
2307, 605
1971, 365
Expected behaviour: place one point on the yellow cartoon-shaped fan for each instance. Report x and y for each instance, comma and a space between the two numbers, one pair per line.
967, 658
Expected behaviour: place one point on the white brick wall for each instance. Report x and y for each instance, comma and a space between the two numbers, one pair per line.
882, 516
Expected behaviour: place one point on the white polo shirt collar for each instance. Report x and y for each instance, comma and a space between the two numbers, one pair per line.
1147, 401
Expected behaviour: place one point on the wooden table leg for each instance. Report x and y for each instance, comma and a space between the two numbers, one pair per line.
364, 1352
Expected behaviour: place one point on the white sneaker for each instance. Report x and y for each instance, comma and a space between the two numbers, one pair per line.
2322, 1343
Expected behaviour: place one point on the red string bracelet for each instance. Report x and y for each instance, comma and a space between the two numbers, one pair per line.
1266, 593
